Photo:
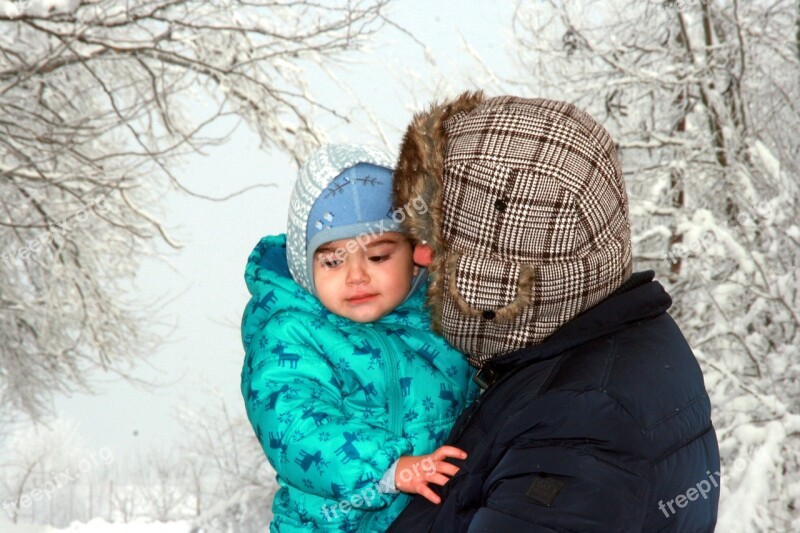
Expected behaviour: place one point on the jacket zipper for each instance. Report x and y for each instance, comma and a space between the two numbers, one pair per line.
392, 384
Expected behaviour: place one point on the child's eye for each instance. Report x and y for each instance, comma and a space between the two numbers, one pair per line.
330, 263
379, 258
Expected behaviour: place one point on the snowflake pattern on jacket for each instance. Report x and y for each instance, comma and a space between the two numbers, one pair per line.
334, 402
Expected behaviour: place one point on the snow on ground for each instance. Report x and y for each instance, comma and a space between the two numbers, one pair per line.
246, 511
100, 526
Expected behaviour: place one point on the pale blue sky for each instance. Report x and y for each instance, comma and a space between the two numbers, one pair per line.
203, 282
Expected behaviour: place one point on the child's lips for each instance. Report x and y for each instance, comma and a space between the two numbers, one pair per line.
361, 298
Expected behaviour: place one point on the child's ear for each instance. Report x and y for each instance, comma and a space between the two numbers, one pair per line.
423, 255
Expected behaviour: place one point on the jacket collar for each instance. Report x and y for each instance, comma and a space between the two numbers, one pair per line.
639, 298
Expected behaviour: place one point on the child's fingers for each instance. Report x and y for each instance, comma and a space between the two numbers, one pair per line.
446, 468
448, 451
429, 495
438, 479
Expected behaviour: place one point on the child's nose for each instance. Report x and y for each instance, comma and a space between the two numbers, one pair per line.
357, 273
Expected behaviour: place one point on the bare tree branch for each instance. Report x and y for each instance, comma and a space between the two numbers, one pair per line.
99, 100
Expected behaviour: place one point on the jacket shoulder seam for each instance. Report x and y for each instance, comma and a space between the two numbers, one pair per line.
677, 411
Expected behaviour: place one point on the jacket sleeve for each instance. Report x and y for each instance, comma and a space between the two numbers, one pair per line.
295, 405
579, 467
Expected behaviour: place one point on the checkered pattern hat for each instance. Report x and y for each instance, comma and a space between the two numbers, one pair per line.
527, 218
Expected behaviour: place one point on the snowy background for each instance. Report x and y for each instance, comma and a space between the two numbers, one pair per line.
148, 145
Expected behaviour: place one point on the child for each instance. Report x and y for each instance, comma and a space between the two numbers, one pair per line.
344, 382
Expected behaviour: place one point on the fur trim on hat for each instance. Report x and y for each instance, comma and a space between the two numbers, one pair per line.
419, 175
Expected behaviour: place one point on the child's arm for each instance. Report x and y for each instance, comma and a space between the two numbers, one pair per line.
295, 405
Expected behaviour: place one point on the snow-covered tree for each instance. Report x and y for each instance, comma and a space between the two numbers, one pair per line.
217, 476
702, 99
98, 100
221, 447
161, 485
49, 474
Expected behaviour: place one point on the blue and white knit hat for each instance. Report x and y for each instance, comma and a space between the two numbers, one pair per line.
342, 191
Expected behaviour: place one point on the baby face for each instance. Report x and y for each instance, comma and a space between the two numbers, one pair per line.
366, 278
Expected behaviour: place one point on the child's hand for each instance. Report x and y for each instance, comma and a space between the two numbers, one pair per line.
414, 472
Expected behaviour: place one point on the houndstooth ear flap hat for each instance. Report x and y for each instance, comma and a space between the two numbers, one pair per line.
527, 217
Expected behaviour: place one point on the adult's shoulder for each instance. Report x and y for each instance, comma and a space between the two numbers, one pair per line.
646, 372
650, 357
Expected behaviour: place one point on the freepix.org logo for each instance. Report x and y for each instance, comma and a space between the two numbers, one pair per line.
58, 480
55, 233
414, 206
16, 8
670, 8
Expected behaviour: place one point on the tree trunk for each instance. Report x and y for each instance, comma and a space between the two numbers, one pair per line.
797, 37
20, 489
676, 187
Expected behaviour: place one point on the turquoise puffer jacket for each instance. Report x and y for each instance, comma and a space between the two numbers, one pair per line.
334, 403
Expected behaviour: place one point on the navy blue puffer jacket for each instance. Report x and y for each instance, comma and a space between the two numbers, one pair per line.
605, 426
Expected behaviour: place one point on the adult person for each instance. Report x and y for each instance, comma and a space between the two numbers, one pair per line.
594, 416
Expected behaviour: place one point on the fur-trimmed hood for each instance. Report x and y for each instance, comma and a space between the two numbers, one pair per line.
527, 217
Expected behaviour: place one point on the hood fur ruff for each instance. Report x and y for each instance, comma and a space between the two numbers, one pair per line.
527, 217
419, 175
